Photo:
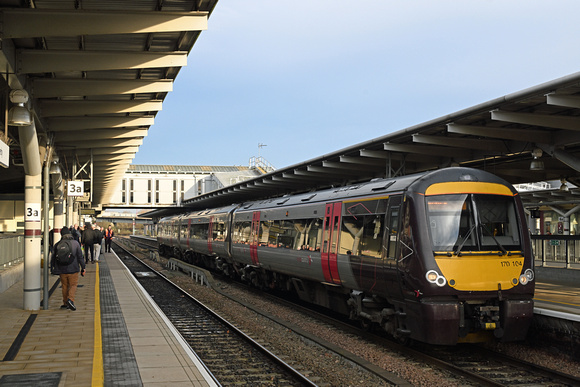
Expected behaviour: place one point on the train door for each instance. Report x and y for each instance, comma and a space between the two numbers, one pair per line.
188, 237
255, 237
330, 234
391, 243
210, 235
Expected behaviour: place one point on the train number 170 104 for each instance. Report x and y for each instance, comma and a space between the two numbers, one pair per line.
511, 263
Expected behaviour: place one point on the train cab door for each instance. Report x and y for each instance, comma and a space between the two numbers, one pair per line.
210, 235
255, 237
330, 235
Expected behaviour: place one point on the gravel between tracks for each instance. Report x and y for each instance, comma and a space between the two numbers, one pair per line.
323, 367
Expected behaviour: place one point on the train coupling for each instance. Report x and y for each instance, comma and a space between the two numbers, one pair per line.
489, 318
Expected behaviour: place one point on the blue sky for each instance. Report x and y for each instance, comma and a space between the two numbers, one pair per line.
310, 78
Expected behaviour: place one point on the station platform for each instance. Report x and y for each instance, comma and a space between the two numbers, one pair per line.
117, 336
558, 299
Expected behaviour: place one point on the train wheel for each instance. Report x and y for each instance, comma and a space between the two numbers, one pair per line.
366, 325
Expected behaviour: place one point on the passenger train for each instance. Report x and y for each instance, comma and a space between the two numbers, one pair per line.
441, 257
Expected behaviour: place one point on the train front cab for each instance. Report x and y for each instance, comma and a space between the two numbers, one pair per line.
469, 275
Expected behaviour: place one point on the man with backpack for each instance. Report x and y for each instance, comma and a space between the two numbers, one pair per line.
67, 261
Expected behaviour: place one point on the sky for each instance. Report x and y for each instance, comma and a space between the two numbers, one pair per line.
308, 78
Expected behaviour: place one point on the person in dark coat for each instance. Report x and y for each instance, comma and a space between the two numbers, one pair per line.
69, 274
88, 238
76, 233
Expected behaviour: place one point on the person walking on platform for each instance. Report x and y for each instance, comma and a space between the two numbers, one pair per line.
88, 239
109, 234
76, 234
67, 261
98, 241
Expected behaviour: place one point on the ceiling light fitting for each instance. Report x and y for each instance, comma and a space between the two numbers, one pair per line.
537, 164
19, 115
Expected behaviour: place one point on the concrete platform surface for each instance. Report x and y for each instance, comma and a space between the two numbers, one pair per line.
117, 336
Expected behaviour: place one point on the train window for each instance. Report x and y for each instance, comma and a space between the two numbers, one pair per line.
472, 222
295, 234
219, 230
267, 234
365, 207
286, 237
451, 222
242, 232
392, 232
497, 217
363, 227
362, 235
199, 231
183, 231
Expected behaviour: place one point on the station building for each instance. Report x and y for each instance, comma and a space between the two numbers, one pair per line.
145, 186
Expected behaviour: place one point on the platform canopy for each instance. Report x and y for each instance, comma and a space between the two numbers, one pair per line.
97, 73
528, 136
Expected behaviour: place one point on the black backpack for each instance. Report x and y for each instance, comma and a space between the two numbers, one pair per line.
63, 253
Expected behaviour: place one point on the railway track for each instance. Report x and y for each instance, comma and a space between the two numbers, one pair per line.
494, 369
231, 356
467, 363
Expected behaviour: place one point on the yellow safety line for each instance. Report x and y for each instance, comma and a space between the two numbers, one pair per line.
98, 375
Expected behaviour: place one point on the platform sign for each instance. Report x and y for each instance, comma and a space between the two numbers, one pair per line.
32, 213
4, 154
75, 188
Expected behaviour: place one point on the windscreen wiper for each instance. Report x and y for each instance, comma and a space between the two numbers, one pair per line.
504, 251
458, 251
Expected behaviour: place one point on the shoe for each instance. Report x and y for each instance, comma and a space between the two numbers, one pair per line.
64, 306
71, 305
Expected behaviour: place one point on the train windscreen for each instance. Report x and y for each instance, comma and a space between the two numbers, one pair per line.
461, 223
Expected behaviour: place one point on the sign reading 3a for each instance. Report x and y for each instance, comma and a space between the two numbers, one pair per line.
75, 188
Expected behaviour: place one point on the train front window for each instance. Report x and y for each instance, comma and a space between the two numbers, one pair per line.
472, 222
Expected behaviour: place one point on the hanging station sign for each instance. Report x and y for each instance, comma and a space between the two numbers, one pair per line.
75, 188
4, 154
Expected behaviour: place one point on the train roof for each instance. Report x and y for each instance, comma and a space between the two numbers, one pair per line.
416, 183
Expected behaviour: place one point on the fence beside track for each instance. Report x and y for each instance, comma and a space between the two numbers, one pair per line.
200, 275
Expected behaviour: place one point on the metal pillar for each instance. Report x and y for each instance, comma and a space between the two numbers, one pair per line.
32, 215
46, 245
32, 237
58, 190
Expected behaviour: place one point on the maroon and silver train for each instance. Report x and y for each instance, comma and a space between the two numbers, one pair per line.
441, 257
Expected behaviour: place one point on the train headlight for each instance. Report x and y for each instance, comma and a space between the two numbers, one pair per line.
432, 276
530, 274
435, 278
527, 277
